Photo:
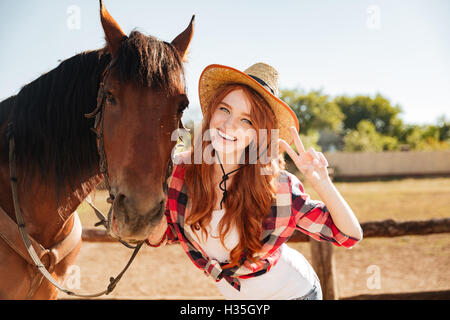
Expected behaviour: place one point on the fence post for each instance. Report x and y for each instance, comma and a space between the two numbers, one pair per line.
323, 264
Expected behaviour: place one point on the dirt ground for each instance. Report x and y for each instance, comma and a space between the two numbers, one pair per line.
405, 264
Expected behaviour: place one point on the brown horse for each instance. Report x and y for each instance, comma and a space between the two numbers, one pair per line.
143, 97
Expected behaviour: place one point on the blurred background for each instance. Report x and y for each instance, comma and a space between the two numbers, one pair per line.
368, 80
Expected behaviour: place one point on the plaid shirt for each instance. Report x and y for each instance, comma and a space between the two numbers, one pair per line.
293, 209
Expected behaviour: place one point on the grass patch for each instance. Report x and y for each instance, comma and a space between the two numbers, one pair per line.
401, 200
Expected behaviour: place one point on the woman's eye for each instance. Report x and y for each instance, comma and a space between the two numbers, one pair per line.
224, 109
247, 121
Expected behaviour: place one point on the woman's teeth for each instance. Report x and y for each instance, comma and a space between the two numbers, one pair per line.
225, 136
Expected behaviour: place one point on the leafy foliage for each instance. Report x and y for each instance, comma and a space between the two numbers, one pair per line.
361, 123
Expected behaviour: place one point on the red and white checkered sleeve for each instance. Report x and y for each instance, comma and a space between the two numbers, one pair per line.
314, 219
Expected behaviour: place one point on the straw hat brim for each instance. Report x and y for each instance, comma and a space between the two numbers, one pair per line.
216, 75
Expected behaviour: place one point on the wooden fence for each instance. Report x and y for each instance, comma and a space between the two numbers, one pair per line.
323, 259
358, 165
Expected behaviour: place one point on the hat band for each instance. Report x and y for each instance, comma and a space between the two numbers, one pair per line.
263, 83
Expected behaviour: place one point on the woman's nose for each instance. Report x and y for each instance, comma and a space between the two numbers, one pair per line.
230, 123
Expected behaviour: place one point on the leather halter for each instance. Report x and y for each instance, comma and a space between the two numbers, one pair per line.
11, 235
98, 113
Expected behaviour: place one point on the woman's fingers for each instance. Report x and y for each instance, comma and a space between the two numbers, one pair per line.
284, 146
319, 159
314, 157
298, 142
302, 162
323, 159
308, 162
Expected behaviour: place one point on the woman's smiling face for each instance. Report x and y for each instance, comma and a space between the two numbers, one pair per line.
231, 127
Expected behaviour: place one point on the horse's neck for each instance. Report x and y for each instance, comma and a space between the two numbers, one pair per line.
49, 216
46, 219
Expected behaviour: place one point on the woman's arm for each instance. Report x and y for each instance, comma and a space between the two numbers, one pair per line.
341, 213
313, 165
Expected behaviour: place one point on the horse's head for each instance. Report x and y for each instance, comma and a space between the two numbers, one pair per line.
142, 97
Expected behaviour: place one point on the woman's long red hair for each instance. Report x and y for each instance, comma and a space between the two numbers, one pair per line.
250, 195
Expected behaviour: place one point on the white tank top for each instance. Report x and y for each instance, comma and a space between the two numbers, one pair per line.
291, 277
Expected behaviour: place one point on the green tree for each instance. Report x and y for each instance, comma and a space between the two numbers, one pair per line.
444, 128
366, 138
314, 110
378, 111
361, 123
426, 137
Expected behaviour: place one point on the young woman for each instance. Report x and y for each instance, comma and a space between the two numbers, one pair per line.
233, 210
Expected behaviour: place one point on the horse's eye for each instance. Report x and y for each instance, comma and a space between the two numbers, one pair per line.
183, 106
110, 98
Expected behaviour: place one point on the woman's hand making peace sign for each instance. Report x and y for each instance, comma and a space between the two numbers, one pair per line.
312, 164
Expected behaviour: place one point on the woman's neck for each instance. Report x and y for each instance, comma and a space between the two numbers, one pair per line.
226, 167
229, 163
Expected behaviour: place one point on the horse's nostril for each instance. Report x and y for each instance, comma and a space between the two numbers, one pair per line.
120, 203
157, 210
120, 200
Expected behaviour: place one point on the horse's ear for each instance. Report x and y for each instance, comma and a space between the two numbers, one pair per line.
182, 41
113, 32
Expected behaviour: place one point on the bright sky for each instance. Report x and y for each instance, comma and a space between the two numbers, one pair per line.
400, 48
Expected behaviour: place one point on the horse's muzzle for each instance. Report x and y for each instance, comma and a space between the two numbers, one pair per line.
129, 223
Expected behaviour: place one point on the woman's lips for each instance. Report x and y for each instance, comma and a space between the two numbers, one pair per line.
226, 136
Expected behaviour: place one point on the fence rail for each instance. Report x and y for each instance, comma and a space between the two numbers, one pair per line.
323, 259
349, 165
391, 228
379, 229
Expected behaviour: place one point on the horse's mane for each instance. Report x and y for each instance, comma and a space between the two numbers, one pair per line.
52, 136
149, 62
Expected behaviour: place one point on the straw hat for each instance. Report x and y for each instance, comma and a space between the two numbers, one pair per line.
262, 78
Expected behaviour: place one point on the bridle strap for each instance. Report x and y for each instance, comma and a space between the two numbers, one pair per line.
98, 113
